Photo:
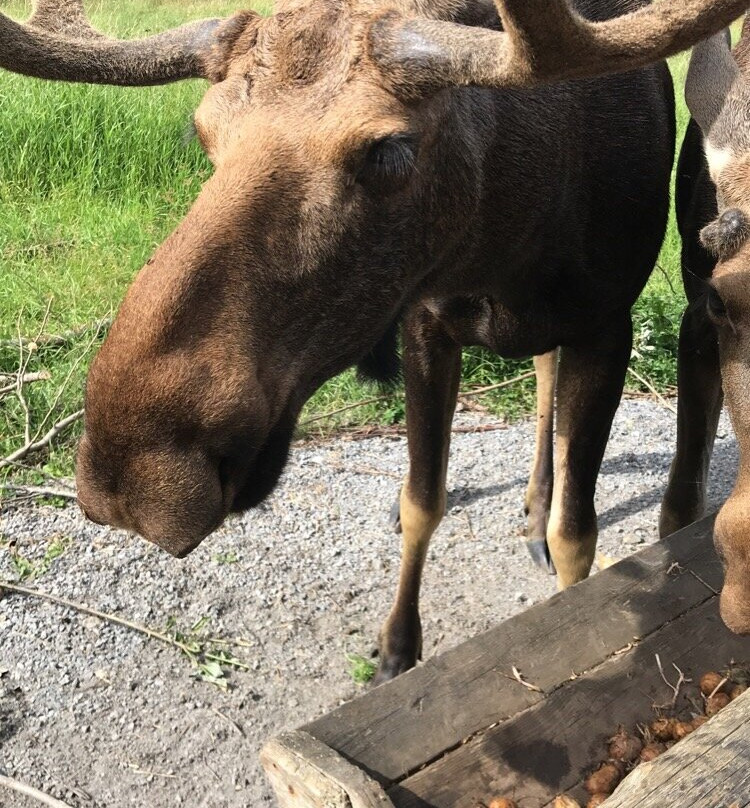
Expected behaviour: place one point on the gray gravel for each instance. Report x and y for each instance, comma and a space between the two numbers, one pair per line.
100, 715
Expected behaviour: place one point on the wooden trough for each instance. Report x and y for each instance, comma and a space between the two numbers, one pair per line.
462, 728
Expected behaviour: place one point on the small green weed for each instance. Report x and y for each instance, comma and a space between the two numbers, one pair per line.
211, 663
361, 669
230, 557
28, 568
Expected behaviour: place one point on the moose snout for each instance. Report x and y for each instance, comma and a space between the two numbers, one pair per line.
171, 498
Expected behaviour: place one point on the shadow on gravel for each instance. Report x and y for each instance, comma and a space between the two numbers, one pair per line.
724, 457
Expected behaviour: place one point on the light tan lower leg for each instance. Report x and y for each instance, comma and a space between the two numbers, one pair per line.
572, 545
539, 489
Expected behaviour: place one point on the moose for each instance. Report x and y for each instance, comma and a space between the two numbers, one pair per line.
713, 213
492, 175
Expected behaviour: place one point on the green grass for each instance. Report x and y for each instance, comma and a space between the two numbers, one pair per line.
92, 179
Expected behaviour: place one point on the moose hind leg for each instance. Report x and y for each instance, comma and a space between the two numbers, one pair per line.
589, 388
698, 408
432, 369
539, 490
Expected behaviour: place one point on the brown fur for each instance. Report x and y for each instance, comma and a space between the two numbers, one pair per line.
355, 182
714, 346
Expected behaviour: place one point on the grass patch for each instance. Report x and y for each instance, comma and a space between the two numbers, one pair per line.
92, 179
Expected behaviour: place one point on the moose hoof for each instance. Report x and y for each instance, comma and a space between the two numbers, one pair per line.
539, 552
391, 668
394, 517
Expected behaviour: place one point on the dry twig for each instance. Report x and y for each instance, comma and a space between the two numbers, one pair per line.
57, 340
27, 378
30, 791
38, 491
519, 678
45, 440
674, 688
646, 383
499, 386
121, 621
375, 399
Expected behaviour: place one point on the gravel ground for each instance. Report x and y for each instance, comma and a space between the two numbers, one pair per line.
100, 715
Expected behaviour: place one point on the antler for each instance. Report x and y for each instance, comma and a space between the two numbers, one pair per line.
59, 43
542, 41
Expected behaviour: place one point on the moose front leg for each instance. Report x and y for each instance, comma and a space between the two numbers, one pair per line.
589, 387
432, 369
539, 490
699, 404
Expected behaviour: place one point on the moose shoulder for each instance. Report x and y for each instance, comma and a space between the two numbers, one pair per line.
373, 161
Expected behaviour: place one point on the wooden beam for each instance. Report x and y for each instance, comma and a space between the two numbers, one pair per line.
708, 768
403, 725
305, 772
551, 747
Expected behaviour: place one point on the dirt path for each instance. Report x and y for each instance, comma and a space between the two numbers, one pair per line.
100, 715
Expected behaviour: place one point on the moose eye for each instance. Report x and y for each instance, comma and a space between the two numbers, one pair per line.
388, 164
717, 311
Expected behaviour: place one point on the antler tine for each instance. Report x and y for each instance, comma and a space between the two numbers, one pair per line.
542, 41
58, 42
551, 41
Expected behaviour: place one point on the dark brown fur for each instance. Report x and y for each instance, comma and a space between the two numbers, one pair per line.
531, 220
357, 180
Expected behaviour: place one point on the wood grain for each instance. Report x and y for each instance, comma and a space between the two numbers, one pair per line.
403, 725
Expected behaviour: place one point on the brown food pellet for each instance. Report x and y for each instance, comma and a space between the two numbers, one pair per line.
710, 681
605, 779
624, 746
663, 729
699, 721
682, 729
651, 751
716, 703
563, 801
736, 691
502, 802
596, 800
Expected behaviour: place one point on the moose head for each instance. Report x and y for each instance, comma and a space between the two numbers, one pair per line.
718, 95
347, 169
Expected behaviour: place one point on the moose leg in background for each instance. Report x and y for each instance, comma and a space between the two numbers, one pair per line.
590, 380
698, 370
698, 410
539, 490
432, 371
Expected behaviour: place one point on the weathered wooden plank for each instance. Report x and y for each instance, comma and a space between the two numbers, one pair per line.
550, 747
305, 773
394, 729
708, 769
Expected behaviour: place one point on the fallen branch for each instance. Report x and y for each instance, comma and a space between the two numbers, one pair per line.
39, 490
56, 340
644, 381
375, 399
499, 386
120, 621
30, 791
26, 378
352, 406
45, 440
